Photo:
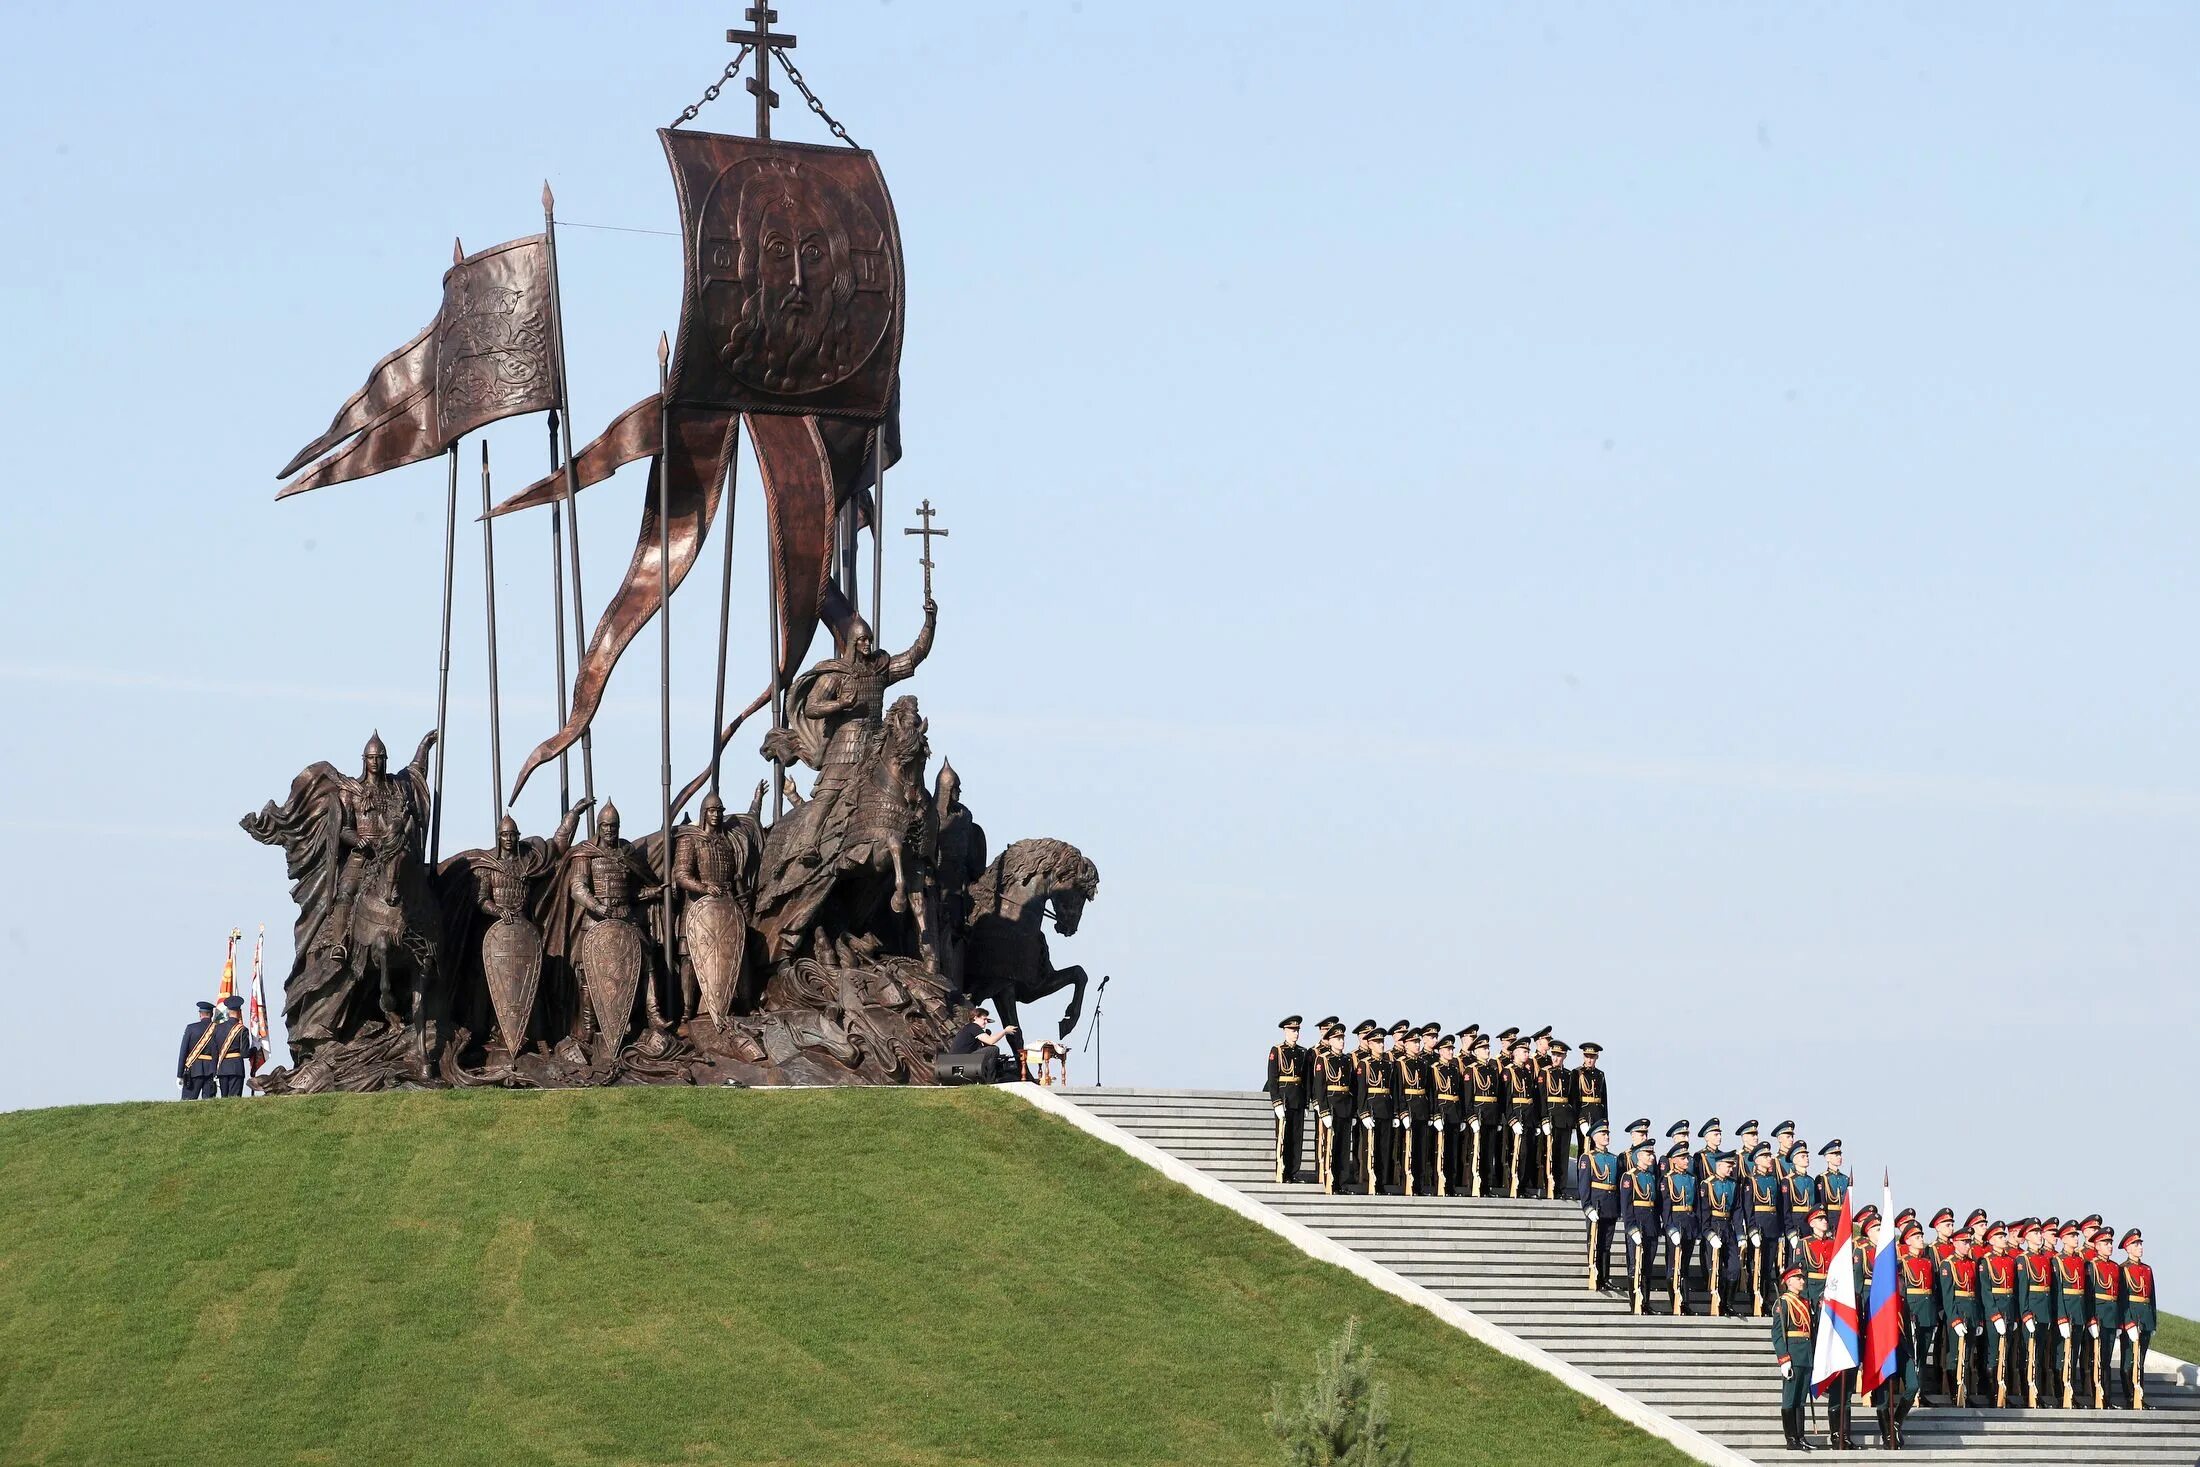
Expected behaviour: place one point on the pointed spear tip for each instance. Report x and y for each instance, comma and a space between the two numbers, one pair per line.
549, 200
458, 251
664, 348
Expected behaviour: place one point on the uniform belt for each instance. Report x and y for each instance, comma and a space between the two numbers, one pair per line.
1965, 1294
1485, 1100
1340, 1090
1411, 1091
1917, 1292
1718, 1212
1289, 1079
1447, 1095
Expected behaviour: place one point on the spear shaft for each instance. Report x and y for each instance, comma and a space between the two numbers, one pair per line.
489, 605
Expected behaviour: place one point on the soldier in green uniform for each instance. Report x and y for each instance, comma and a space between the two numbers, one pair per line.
1289, 1072
1998, 1287
2072, 1316
1791, 1341
2036, 1315
1961, 1320
1920, 1285
1720, 1222
1641, 1205
1678, 1198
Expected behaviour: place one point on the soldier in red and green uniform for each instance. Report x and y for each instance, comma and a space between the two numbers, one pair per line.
1920, 1286
2073, 1318
1997, 1283
2036, 1309
2104, 1297
1961, 1319
2138, 1315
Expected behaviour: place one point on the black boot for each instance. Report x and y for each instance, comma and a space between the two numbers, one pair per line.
1791, 1422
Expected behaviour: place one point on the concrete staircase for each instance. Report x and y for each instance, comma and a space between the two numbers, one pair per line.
1522, 1266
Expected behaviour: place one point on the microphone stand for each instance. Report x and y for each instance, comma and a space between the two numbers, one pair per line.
1092, 1031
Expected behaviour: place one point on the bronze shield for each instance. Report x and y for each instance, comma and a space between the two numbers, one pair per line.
611, 961
717, 940
793, 296
511, 959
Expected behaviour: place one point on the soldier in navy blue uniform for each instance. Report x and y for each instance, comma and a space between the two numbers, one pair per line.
1764, 1201
1713, 1137
1677, 1219
195, 1056
1639, 1212
1833, 1183
1719, 1223
234, 1047
1596, 1183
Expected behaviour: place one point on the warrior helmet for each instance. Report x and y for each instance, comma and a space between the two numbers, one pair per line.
714, 809
507, 829
950, 782
608, 816
375, 757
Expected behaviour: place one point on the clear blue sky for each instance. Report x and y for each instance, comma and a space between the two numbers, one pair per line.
1673, 522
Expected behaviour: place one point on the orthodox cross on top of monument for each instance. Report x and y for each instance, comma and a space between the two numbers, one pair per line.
762, 40
925, 513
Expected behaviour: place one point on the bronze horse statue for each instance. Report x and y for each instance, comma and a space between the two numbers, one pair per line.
1005, 946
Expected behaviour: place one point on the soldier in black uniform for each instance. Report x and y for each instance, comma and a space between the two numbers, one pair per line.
1558, 1121
1449, 1077
234, 1046
1290, 1069
1416, 1104
1376, 1111
1334, 1096
195, 1057
1484, 1096
1523, 1106
1592, 1090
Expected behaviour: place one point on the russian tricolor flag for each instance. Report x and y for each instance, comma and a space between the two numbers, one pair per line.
1835, 1348
1883, 1317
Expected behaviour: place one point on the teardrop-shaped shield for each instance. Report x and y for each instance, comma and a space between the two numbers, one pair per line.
717, 941
611, 961
511, 960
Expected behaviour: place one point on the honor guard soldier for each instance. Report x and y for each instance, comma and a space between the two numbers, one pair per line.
2073, 1314
1920, 1285
195, 1056
1791, 1341
1816, 1253
1592, 1090
2105, 1301
1450, 1126
1713, 1138
1719, 1223
1416, 1106
1485, 1117
1597, 1183
2036, 1314
1745, 1147
1833, 1183
1944, 1232
1523, 1099
2138, 1320
1961, 1319
1289, 1073
1640, 1207
1975, 1225
1799, 1199
1558, 1123
1378, 1111
1336, 1093
234, 1047
1677, 1201
1765, 1226
1997, 1283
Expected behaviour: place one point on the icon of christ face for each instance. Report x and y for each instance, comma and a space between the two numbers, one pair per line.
796, 284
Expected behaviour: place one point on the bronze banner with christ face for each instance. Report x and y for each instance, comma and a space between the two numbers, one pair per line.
792, 301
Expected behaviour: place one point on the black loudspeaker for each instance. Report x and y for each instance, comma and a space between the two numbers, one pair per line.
982, 1067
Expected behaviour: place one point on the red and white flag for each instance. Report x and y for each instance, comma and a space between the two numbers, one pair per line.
256, 1002
1835, 1348
229, 966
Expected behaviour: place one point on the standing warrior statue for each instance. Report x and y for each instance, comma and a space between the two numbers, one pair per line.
596, 927
505, 884
714, 864
959, 859
357, 853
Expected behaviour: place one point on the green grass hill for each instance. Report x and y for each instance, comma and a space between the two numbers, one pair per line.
676, 1276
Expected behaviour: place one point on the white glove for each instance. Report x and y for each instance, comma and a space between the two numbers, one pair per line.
1590, 1213
1476, 1123
1436, 1123
1961, 1329
1517, 1128
2031, 1326
1674, 1237
2001, 1326
1787, 1369
2093, 1328
1397, 1122
1368, 1121
1757, 1240
2065, 1328
2131, 1332
1546, 1128
1583, 1128
1636, 1235
1279, 1109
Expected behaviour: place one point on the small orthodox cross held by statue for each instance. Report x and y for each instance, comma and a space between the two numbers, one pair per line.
764, 40
925, 513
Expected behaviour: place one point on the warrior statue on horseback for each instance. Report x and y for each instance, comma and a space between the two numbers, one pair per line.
369, 922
